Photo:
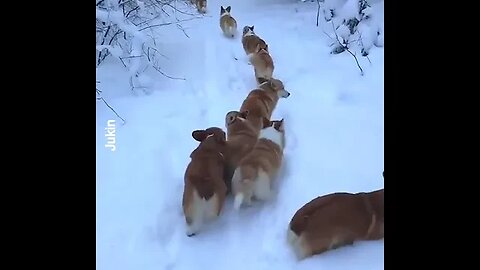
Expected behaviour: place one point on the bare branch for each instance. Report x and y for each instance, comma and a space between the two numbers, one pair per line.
368, 58
318, 10
128, 13
132, 56
169, 23
155, 50
122, 62
108, 105
170, 77
327, 34
179, 11
183, 30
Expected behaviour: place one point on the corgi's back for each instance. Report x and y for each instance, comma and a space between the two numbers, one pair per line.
250, 40
336, 220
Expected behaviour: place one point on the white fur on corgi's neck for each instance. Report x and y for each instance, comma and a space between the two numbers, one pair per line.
226, 13
249, 33
273, 135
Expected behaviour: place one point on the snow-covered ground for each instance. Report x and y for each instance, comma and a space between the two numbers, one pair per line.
334, 129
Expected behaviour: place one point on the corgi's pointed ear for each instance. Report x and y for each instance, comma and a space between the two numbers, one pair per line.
228, 9
199, 135
221, 10
244, 114
218, 134
253, 26
230, 117
266, 123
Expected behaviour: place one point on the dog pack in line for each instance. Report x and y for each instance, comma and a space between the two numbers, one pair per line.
246, 160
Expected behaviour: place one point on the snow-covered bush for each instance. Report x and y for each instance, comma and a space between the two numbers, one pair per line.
355, 25
121, 32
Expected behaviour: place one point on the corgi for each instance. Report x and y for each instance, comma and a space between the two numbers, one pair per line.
253, 178
241, 138
262, 63
204, 191
201, 5
261, 101
336, 220
250, 40
227, 23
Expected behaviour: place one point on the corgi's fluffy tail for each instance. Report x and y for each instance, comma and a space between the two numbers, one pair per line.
292, 237
232, 30
297, 244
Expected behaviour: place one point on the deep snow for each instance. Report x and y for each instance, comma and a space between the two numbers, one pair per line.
334, 128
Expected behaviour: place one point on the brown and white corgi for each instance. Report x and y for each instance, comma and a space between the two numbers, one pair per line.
227, 22
201, 5
241, 138
262, 63
253, 178
250, 40
204, 191
336, 220
261, 101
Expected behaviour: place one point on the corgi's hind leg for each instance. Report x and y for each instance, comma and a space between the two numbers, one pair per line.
301, 248
213, 207
194, 225
248, 58
194, 216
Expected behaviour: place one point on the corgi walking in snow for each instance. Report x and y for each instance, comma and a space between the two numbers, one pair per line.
204, 191
254, 177
201, 5
261, 101
262, 64
336, 220
227, 22
241, 138
250, 40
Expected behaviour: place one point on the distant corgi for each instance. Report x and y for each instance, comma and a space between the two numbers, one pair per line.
204, 191
262, 63
336, 220
201, 5
261, 101
250, 40
254, 176
227, 22
241, 138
